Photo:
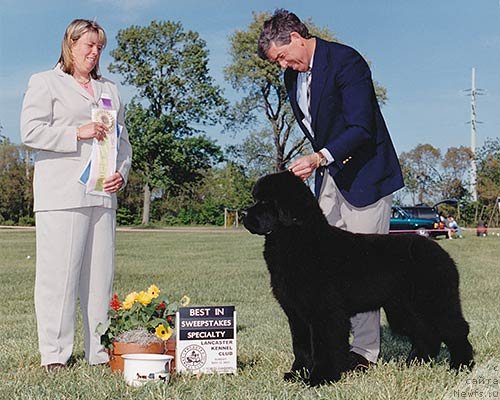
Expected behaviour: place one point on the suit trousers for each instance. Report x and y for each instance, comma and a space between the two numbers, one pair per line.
75, 259
374, 218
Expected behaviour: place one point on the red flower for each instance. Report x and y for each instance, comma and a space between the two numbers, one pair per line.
169, 318
161, 306
115, 303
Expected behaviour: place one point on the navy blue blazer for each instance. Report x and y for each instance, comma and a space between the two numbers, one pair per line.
346, 120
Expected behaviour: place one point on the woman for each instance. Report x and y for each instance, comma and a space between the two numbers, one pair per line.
75, 230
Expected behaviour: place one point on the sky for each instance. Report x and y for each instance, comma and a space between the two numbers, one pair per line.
422, 52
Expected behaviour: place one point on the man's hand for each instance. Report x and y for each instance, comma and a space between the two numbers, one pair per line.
303, 167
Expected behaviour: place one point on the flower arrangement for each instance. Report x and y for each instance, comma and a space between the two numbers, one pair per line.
146, 311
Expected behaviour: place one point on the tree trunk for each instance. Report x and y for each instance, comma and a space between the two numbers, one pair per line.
146, 204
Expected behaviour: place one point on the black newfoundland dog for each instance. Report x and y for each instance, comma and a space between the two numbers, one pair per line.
322, 275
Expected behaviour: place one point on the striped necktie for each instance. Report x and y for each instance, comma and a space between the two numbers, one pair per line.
304, 97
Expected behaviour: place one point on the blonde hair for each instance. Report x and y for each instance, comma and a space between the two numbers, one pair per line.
75, 30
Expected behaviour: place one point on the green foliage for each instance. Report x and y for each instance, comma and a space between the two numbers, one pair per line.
146, 310
16, 174
131, 199
210, 212
488, 170
124, 216
203, 203
431, 177
257, 153
488, 186
163, 157
420, 169
169, 68
264, 94
26, 221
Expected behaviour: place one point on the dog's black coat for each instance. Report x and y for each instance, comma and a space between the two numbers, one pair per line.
322, 275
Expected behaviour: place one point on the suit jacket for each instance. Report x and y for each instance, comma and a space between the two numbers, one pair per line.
346, 120
54, 106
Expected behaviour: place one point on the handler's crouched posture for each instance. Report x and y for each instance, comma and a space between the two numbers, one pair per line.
356, 168
75, 230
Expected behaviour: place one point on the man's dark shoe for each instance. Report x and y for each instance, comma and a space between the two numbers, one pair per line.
358, 363
53, 368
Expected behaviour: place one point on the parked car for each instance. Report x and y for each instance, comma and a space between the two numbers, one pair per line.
423, 220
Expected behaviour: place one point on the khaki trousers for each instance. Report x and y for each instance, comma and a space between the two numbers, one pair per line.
74, 258
374, 218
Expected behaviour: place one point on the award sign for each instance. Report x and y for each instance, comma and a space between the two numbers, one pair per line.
104, 152
206, 340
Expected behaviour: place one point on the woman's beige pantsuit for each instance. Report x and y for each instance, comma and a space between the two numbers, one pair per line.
75, 231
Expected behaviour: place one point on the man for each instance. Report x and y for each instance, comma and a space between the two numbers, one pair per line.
356, 168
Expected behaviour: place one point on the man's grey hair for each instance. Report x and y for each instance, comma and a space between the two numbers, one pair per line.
277, 30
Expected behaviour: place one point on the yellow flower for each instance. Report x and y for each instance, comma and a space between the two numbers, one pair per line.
129, 300
163, 333
185, 301
144, 298
154, 291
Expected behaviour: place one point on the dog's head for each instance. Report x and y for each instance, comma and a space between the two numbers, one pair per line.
281, 200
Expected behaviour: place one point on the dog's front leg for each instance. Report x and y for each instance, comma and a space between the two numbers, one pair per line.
301, 342
330, 348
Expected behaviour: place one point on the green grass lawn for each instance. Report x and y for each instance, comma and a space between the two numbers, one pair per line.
228, 269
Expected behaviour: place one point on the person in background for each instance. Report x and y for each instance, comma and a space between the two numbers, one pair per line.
453, 227
482, 228
333, 99
75, 230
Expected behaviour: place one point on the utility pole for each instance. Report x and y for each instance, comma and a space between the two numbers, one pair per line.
473, 131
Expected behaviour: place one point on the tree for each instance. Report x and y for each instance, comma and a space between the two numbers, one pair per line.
255, 154
455, 166
264, 107
429, 177
16, 172
203, 201
229, 186
420, 168
131, 200
488, 186
488, 172
169, 68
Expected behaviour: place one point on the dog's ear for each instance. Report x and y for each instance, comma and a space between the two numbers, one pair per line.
296, 209
287, 217
290, 196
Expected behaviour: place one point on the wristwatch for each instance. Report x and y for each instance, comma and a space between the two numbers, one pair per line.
322, 161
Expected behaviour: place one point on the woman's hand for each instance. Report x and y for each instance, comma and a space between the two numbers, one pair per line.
113, 183
92, 130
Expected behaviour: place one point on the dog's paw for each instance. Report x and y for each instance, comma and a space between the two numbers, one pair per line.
416, 358
317, 379
462, 365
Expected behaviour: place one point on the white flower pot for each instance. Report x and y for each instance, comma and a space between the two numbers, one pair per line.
142, 368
